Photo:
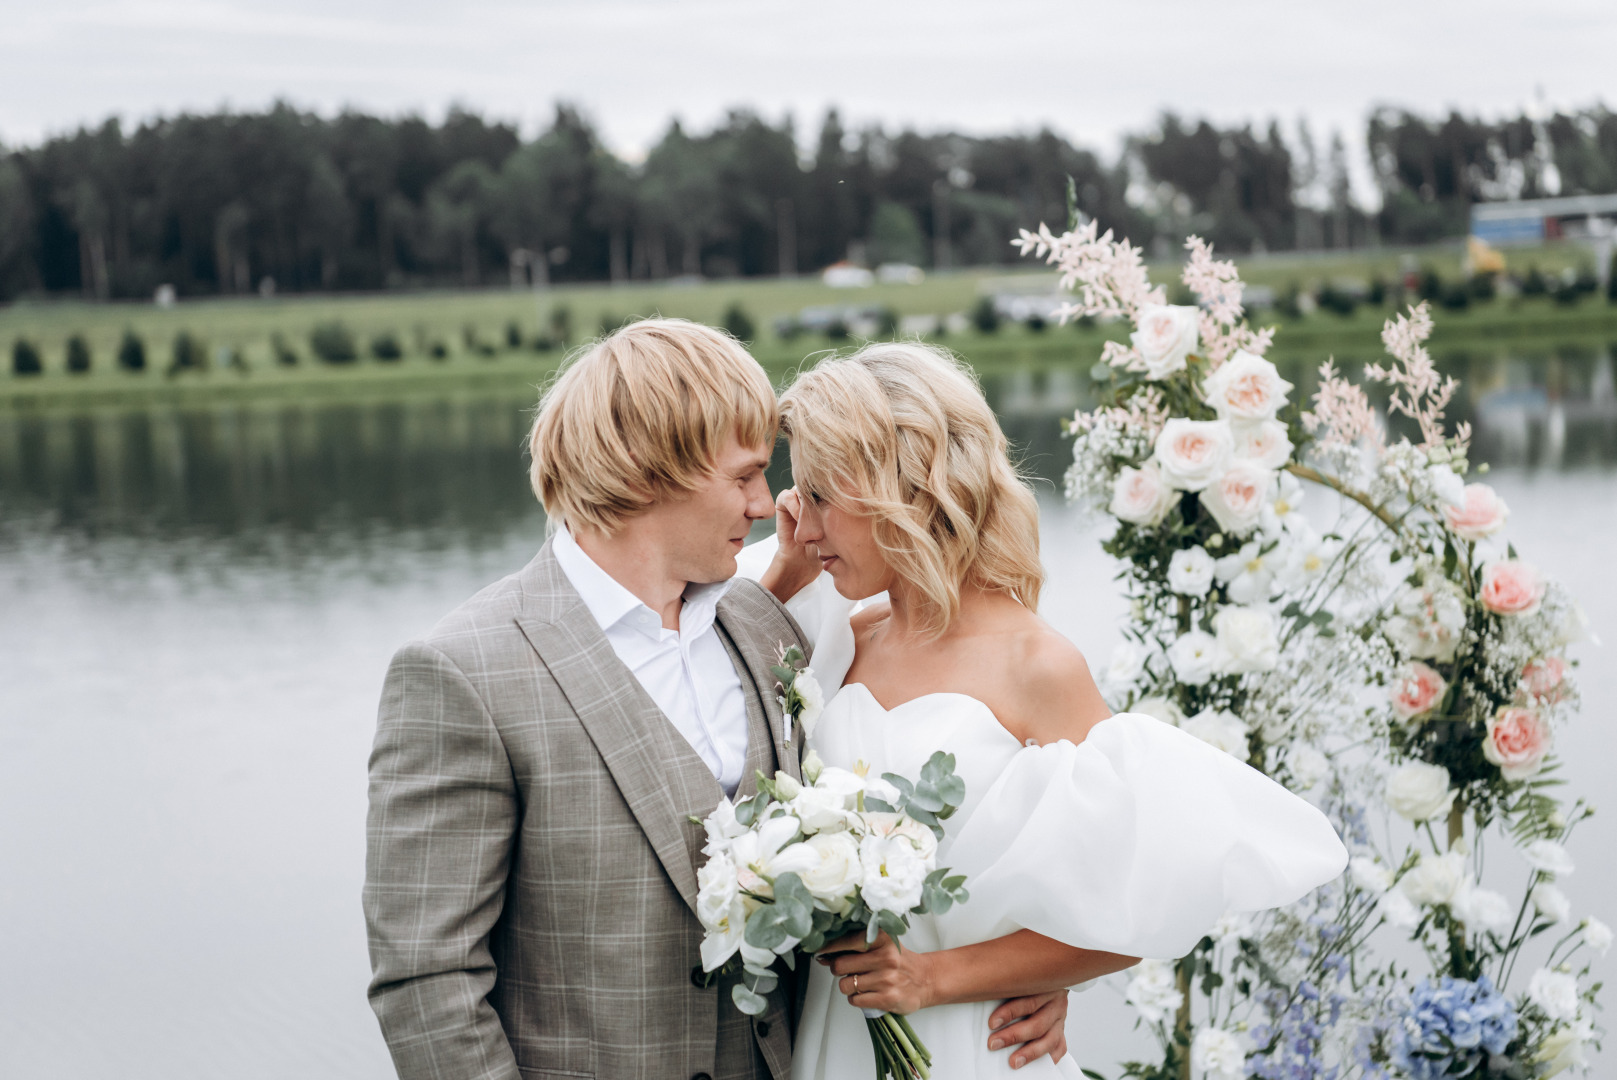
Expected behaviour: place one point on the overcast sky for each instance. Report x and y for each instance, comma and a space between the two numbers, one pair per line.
1092, 71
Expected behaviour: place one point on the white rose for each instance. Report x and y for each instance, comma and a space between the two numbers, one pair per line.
1218, 1054
1194, 657
1596, 935
1265, 444
1153, 990
892, 873
828, 804
1449, 488
1190, 571
1126, 665
1548, 856
722, 827
833, 879
1165, 338
1555, 992
1246, 639
1562, 1048
1140, 496
1369, 875
1430, 621
1398, 910
1420, 792
1551, 902
1246, 387
1237, 498
1220, 728
1483, 910
1193, 453
1308, 766
796, 858
1159, 708
1435, 880
813, 695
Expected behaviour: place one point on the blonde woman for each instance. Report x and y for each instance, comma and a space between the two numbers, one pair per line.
1087, 839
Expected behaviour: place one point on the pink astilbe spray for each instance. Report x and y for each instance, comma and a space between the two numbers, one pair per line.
1144, 412
1217, 284
1341, 411
1108, 275
1418, 391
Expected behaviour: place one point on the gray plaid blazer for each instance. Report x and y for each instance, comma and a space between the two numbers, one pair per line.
530, 876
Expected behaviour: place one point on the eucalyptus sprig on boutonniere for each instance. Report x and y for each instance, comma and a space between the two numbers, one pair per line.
801, 698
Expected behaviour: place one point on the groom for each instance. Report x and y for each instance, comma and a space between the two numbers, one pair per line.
530, 885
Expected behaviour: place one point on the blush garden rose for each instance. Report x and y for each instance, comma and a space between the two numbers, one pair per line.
1166, 338
1417, 690
1191, 454
1517, 740
1511, 587
1246, 388
1237, 498
1141, 497
1480, 514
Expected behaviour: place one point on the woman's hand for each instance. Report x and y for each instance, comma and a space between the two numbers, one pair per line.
1035, 1026
878, 975
795, 566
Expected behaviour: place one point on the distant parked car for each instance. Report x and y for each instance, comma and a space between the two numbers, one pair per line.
847, 275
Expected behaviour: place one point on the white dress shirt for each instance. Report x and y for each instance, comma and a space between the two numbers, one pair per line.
687, 671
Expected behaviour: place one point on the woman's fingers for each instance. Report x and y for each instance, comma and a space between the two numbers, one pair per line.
1054, 1044
1031, 1027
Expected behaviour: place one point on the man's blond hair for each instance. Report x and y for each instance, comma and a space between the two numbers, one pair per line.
641, 414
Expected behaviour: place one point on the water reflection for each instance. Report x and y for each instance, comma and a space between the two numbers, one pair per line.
452, 465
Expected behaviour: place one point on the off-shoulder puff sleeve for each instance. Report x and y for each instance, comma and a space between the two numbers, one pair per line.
1135, 841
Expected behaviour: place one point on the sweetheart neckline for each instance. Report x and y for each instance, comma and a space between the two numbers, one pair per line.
937, 694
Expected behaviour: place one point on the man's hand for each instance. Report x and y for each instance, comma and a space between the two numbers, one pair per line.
1037, 1023
795, 565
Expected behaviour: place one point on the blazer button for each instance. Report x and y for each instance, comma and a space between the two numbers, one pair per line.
763, 1029
701, 1076
699, 977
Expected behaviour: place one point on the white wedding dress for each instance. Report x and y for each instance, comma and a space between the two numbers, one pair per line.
1135, 841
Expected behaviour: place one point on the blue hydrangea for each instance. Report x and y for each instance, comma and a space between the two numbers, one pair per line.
1450, 1026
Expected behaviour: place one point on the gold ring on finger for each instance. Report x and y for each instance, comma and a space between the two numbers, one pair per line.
856, 984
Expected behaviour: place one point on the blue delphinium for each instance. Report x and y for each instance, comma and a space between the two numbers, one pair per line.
1450, 1026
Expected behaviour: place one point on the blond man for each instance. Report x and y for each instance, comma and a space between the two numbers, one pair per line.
531, 862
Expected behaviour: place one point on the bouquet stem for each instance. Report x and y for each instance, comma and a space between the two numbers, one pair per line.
900, 1054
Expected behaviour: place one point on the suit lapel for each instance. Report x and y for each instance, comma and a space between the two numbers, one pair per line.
638, 744
754, 666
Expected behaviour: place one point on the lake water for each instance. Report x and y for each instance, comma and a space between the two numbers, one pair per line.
196, 609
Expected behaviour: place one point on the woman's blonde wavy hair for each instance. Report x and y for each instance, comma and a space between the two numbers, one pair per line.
900, 432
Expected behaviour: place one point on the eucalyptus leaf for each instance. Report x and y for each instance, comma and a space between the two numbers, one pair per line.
747, 1001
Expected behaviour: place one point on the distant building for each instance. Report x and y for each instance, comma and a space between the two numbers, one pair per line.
847, 275
1530, 222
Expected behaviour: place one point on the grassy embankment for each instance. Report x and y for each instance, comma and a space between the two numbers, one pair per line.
471, 328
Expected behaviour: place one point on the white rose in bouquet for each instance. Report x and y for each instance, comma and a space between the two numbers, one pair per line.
1246, 639
1435, 879
1190, 571
1265, 444
1193, 453
1555, 992
834, 879
1420, 792
1194, 657
1125, 666
1237, 498
1482, 910
1247, 387
1166, 337
1141, 496
1220, 728
829, 803
892, 873
721, 827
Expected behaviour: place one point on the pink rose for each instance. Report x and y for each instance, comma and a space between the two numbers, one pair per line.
1193, 453
1141, 497
1417, 690
1264, 443
1482, 513
1517, 741
1237, 498
1511, 587
1246, 387
1544, 678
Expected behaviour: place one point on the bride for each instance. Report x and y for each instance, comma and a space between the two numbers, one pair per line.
1087, 839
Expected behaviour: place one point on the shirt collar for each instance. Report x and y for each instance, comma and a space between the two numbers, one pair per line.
609, 603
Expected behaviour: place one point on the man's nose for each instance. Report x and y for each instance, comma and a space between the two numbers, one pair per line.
759, 503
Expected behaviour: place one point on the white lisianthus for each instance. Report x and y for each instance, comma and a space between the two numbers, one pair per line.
1153, 991
721, 827
1159, 708
1551, 902
1284, 514
1194, 657
835, 877
1555, 992
1218, 1054
786, 786
1435, 880
1446, 486
1596, 935
892, 873
721, 911
1246, 387
1247, 574
1548, 856
812, 766
1308, 766
1398, 910
1482, 910
1369, 875
904, 828
1562, 1048
813, 695
1265, 444
1246, 639
1220, 728
1141, 497
1237, 498
1165, 338
1125, 666
1420, 792
1190, 571
828, 804
1191, 454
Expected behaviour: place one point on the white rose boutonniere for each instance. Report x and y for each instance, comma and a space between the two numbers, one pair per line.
801, 696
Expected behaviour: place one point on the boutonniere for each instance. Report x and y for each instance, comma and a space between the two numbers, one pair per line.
800, 696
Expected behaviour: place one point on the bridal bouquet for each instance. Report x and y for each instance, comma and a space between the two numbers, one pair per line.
1401, 663
799, 865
